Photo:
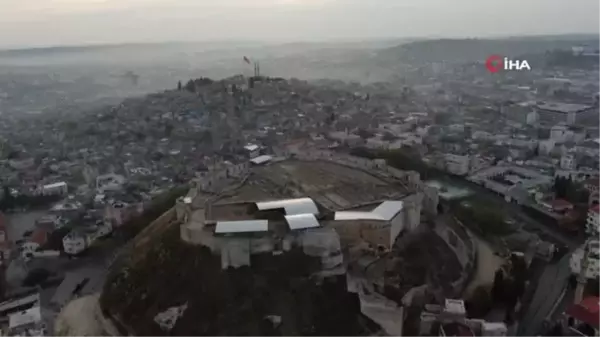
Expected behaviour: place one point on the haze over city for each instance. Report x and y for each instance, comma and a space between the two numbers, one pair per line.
299, 168
75, 22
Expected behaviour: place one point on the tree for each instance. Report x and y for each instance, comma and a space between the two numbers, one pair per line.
190, 86
511, 297
8, 200
168, 130
480, 302
498, 287
179, 85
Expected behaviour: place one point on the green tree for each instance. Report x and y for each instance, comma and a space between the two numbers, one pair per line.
498, 287
480, 302
179, 85
168, 129
190, 86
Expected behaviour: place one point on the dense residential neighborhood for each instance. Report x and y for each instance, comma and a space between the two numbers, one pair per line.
448, 201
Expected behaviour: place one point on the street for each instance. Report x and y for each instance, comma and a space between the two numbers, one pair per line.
550, 286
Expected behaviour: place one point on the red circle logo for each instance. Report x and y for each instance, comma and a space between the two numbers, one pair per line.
494, 63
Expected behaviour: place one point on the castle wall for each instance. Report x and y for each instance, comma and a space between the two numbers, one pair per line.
463, 246
353, 232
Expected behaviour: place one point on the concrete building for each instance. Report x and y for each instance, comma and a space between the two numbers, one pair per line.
591, 260
457, 164
592, 225
567, 162
37, 240
546, 147
532, 118
280, 225
75, 242
119, 213
568, 113
89, 175
558, 133
252, 150
58, 188
28, 322
4, 241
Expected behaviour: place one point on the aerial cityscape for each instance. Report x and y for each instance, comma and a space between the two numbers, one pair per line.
393, 186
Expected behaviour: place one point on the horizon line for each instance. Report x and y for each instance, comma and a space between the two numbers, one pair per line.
283, 42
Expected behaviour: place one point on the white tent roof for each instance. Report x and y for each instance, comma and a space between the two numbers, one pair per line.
302, 221
261, 159
291, 206
386, 211
244, 226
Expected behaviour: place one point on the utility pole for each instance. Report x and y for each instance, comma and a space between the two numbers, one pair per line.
256, 69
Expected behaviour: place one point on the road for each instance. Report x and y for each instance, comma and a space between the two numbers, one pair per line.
550, 286
487, 264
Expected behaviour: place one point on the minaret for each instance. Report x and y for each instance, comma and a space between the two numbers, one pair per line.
582, 276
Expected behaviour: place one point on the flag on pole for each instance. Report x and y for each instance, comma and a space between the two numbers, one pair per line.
247, 60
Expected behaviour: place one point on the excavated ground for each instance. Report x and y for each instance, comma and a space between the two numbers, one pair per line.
233, 302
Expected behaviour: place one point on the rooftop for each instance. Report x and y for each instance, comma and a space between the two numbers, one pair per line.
587, 311
290, 206
243, 226
302, 221
251, 147
386, 211
595, 209
54, 185
261, 159
457, 329
25, 317
563, 107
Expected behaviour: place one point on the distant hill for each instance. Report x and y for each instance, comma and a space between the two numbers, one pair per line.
471, 50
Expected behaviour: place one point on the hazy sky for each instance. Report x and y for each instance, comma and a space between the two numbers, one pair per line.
66, 22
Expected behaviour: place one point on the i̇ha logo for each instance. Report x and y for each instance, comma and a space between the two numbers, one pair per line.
495, 63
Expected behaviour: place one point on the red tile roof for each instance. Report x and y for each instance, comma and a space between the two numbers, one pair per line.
587, 311
595, 208
457, 329
39, 236
560, 203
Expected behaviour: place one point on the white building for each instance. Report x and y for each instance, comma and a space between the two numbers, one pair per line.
58, 188
532, 118
567, 162
558, 133
252, 150
545, 147
593, 259
567, 113
478, 163
592, 225
75, 242
27, 323
457, 164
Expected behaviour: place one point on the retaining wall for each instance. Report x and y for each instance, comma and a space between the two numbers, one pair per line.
464, 247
